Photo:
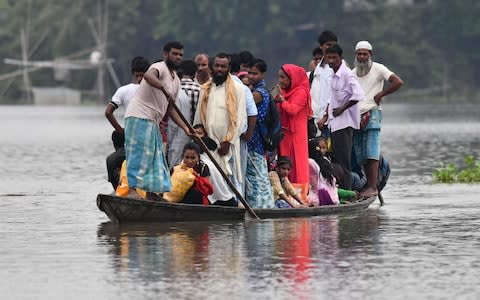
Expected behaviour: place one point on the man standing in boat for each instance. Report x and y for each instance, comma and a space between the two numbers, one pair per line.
147, 168
125, 93
371, 76
203, 71
222, 112
320, 79
122, 97
342, 111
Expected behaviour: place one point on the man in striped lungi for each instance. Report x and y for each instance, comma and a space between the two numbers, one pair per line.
147, 168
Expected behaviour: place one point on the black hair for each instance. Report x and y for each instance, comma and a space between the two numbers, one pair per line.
188, 67
192, 146
223, 55
321, 139
326, 169
246, 57
284, 160
118, 139
260, 64
211, 144
235, 63
316, 51
327, 36
140, 64
174, 44
336, 49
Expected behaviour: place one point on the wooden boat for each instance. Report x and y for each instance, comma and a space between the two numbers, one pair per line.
123, 210
276, 213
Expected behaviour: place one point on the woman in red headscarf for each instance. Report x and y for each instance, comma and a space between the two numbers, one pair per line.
295, 108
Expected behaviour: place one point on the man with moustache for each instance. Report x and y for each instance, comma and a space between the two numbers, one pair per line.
371, 76
147, 168
203, 71
221, 111
343, 112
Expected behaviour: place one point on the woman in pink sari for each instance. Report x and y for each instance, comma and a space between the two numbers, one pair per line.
295, 108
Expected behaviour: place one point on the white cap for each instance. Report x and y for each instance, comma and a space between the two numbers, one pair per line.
363, 45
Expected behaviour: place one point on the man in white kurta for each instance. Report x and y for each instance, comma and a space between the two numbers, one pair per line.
222, 112
371, 76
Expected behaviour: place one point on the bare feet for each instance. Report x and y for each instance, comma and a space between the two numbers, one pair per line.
369, 192
132, 193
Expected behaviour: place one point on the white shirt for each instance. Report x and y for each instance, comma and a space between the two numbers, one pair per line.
176, 137
249, 101
372, 84
123, 95
221, 190
320, 90
217, 122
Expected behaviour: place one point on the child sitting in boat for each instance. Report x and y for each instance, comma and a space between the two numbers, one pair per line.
190, 179
328, 193
222, 194
318, 151
284, 194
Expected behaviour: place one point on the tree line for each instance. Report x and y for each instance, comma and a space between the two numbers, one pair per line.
430, 44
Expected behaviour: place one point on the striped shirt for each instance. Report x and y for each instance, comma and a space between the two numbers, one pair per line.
192, 89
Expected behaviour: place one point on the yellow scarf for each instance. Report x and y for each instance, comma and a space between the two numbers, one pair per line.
231, 105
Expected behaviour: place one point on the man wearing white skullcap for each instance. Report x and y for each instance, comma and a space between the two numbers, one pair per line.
366, 141
363, 45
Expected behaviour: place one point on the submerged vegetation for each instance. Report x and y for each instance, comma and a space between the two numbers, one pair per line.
449, 173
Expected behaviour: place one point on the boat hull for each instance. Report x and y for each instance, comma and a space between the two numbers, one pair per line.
124, 210
276, 213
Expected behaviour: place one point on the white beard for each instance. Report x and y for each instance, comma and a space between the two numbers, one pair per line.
362, 69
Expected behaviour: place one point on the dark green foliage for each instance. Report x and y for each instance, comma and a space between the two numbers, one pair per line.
432, 46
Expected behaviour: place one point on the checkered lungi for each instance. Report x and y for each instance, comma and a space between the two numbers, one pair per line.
147, 168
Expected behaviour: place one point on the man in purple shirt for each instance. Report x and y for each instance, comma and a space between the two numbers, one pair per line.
343, 113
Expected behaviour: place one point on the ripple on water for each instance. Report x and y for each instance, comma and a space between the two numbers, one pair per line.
422, 244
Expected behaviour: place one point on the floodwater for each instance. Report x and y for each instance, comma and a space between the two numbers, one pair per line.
55, 243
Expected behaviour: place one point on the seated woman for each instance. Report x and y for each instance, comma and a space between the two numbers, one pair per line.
314, 171
284, 193
190, 179
328, 193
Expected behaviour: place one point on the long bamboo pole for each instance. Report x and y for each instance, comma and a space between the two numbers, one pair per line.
205, 149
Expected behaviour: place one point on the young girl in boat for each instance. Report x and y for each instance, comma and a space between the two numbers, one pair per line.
190, 179
284, 194
222, 194
328, 193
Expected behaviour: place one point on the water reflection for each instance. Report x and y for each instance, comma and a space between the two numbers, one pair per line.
286, 254
422, 244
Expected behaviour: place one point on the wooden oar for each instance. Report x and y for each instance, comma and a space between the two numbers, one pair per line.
380, 197
205, 149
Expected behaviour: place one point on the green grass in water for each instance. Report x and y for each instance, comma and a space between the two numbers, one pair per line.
448, 173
